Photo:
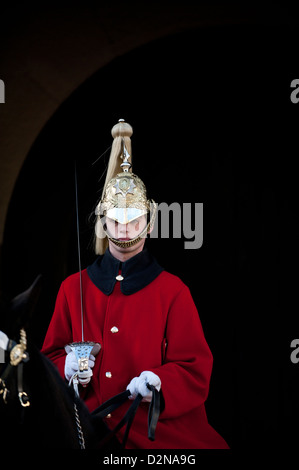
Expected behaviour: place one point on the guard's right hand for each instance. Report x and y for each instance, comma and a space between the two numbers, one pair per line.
71, 364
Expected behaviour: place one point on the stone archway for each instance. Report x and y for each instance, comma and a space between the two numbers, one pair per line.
47, 53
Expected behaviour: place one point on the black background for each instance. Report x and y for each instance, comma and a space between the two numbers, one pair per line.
213, 123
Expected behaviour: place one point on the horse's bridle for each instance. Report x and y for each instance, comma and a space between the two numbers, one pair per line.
18, 355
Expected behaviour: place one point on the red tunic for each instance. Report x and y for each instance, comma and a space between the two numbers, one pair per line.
158, 329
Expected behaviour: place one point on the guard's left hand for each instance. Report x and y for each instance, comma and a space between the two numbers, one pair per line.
139, 385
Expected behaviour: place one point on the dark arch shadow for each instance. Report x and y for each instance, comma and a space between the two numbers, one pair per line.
203, 116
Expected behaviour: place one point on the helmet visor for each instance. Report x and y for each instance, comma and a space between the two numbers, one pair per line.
124, 215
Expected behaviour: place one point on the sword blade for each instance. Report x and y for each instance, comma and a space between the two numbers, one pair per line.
79, 251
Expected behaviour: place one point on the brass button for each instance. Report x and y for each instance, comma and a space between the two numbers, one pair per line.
119, 278
114, 329
108, 375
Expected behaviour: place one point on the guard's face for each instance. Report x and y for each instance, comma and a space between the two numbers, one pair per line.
125, 232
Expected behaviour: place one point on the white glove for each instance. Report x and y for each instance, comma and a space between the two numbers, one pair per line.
71, 367
138, 385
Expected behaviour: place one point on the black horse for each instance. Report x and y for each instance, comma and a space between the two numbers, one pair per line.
38, 410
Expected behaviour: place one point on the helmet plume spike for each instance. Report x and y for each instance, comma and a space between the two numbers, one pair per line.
121, 133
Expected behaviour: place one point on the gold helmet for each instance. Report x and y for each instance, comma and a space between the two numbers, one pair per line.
124, 197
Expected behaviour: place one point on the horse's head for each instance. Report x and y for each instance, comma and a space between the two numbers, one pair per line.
16, 313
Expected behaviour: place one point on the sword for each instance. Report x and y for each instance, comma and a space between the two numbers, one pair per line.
82, 349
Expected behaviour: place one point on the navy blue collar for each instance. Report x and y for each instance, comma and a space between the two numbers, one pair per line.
137, 272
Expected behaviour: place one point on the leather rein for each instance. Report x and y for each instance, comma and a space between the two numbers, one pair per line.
116, 401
